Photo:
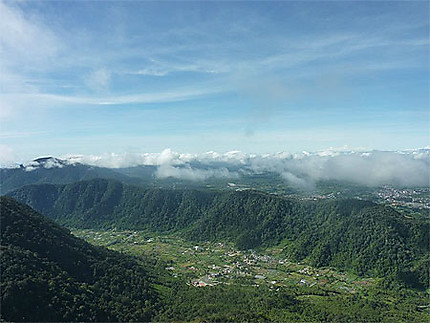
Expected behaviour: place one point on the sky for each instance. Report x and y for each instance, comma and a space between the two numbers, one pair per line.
97, 77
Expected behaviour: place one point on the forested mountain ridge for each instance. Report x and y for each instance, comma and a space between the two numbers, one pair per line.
50, 275
54, 171
350, 234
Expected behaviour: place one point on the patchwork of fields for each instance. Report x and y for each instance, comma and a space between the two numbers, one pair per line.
211, 263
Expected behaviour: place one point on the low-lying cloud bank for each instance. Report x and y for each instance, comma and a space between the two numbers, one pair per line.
193, 174
400, 168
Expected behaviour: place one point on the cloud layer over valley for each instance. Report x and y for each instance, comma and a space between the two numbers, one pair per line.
304, 170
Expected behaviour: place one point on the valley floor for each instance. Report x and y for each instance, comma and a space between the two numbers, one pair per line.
215, 268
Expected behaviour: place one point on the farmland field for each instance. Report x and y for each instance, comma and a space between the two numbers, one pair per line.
206, 265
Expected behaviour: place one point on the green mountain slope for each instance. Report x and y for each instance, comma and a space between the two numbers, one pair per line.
49, 275
351, 234
13, 178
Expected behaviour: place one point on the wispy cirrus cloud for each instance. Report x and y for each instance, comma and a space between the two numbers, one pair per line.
251, 72
187, 49
144, 98
26, 42
151, 71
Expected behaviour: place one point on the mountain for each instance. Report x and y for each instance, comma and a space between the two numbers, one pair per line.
54, 171
50, 170
349, 234
49, 275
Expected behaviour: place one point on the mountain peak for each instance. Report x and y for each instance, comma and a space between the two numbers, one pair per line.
45, 162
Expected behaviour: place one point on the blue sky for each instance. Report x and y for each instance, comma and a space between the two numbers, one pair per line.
90, 77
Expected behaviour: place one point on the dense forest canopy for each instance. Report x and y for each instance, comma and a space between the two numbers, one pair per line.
49, 275
349, 234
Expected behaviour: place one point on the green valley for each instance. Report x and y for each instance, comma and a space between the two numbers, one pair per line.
356, 235
210, 256
282, 290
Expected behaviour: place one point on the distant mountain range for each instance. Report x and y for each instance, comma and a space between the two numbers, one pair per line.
63, 171
54, 171
281, 173
349, 234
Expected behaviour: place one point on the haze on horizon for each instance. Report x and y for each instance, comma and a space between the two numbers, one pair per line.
90, 77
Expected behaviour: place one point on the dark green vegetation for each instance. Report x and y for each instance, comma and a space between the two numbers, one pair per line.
289, 292
354, 235
237, 303
49, 275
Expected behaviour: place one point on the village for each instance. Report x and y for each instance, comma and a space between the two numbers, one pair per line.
413, 198
212, 263
409, 197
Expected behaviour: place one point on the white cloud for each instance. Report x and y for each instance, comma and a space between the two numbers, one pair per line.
25, 41
160, 97
297, 182
372, 168
27, 47
193, 174
113, 160
152, 72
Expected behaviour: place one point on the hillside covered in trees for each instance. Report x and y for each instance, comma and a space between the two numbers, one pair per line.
355, 235
50, 275
47, 274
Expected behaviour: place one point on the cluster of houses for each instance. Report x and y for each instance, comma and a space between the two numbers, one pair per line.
260, 270
251, 265
410, 197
